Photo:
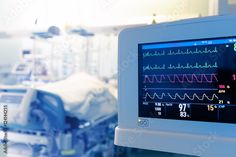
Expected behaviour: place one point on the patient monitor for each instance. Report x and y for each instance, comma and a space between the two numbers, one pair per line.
177, 87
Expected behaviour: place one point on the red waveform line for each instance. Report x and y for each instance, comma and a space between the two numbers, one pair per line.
174, 78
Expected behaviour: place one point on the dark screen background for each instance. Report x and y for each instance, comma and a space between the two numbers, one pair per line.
188, 80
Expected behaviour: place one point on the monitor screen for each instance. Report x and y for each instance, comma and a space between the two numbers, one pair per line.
188, 80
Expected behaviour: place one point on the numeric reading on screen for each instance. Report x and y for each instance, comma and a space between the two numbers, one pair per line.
188, 80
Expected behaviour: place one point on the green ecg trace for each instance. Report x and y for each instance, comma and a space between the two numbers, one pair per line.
180, 66
155, 54
155, 67
192, 52
180, 52
194, 66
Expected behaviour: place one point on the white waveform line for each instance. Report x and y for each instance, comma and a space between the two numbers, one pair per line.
154, 96
193, 97
184, 97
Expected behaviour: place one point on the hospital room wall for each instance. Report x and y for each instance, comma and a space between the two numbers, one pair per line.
9, 51
21, 14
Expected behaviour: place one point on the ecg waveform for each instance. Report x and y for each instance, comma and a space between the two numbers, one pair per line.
179, 52
183, 97
181, 78
179, 66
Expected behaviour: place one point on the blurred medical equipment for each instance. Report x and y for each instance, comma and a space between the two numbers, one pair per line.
59, 61
39, 64
30, 68
94, 49
4, 72
177, 87
53, 54
73, 117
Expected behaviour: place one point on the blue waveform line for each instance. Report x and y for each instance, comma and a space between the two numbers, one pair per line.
183, 97
179, 52
179, 66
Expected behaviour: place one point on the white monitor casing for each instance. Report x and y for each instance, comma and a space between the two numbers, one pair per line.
205, 139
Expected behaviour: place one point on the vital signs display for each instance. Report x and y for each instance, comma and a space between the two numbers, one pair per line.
188, 80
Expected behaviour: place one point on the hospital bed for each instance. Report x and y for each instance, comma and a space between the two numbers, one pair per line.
73, 117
